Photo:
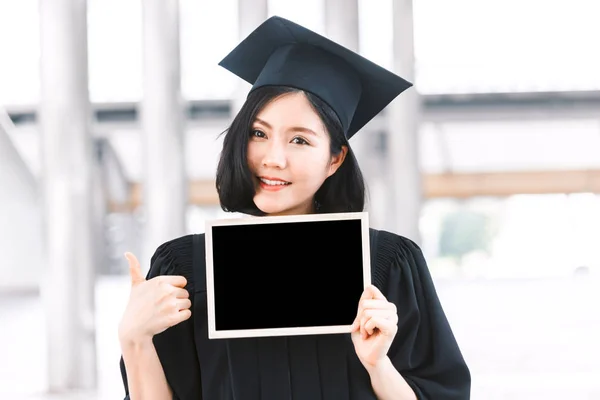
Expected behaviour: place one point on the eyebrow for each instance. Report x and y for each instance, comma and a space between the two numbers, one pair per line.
293, 129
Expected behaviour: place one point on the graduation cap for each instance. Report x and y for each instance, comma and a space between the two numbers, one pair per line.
281, 52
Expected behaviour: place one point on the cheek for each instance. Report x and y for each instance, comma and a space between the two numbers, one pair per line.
312, 168
252, 154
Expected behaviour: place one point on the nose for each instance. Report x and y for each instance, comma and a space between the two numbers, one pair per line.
275, 156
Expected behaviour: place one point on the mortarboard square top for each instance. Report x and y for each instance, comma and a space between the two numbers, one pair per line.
281, 52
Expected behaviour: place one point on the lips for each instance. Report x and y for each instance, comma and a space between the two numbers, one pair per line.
274, 181
272, 184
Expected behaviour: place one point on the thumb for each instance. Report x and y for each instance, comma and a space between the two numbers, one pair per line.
135, 271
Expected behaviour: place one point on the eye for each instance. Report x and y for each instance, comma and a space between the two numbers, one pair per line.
257, 133
299, 140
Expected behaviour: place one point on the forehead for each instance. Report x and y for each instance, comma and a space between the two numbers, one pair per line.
291, 109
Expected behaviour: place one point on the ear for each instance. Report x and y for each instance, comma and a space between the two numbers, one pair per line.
337, 161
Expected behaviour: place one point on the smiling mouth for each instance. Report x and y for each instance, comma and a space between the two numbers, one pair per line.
273, 183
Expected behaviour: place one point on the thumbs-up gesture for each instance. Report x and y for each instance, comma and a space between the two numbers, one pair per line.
154, 305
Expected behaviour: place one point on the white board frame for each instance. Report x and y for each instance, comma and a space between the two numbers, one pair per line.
314, 330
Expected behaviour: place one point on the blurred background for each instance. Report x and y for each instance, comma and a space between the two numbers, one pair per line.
110, 115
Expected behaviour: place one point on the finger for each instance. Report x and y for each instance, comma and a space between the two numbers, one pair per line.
363, 324
384, 325
376, 293
181, 293
376, 304
385, 313
181, 316
365, 314
378, 315
173, 280
135, 270
387, 308
355, 324
183, 304
366, 294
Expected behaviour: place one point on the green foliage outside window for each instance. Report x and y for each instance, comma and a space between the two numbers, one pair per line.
463, 232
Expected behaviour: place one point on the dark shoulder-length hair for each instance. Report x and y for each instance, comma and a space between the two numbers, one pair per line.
344, 191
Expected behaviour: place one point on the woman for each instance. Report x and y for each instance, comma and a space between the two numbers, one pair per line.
287, 152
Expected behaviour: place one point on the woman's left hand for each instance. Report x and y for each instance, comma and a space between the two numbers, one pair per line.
374, 328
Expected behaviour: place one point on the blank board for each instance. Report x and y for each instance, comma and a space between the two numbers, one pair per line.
285, 275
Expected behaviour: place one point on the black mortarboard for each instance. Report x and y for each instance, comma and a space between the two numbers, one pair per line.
281, 52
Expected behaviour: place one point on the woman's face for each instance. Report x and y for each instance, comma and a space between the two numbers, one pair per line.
289, 155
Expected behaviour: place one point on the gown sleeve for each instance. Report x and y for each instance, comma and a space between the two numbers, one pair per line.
425, 350
175, 346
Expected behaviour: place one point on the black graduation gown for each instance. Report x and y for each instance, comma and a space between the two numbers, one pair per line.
310, 367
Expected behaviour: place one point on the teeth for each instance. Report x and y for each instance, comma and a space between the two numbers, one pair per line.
274, 183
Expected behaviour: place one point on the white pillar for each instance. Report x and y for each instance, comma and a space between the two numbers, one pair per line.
165, 191
404, 116
342, 26
68, 283
341, 22
251, 13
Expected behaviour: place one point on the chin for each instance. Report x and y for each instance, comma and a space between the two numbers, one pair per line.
268, 207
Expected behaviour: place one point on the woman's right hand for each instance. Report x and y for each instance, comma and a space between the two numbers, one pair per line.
154, 305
